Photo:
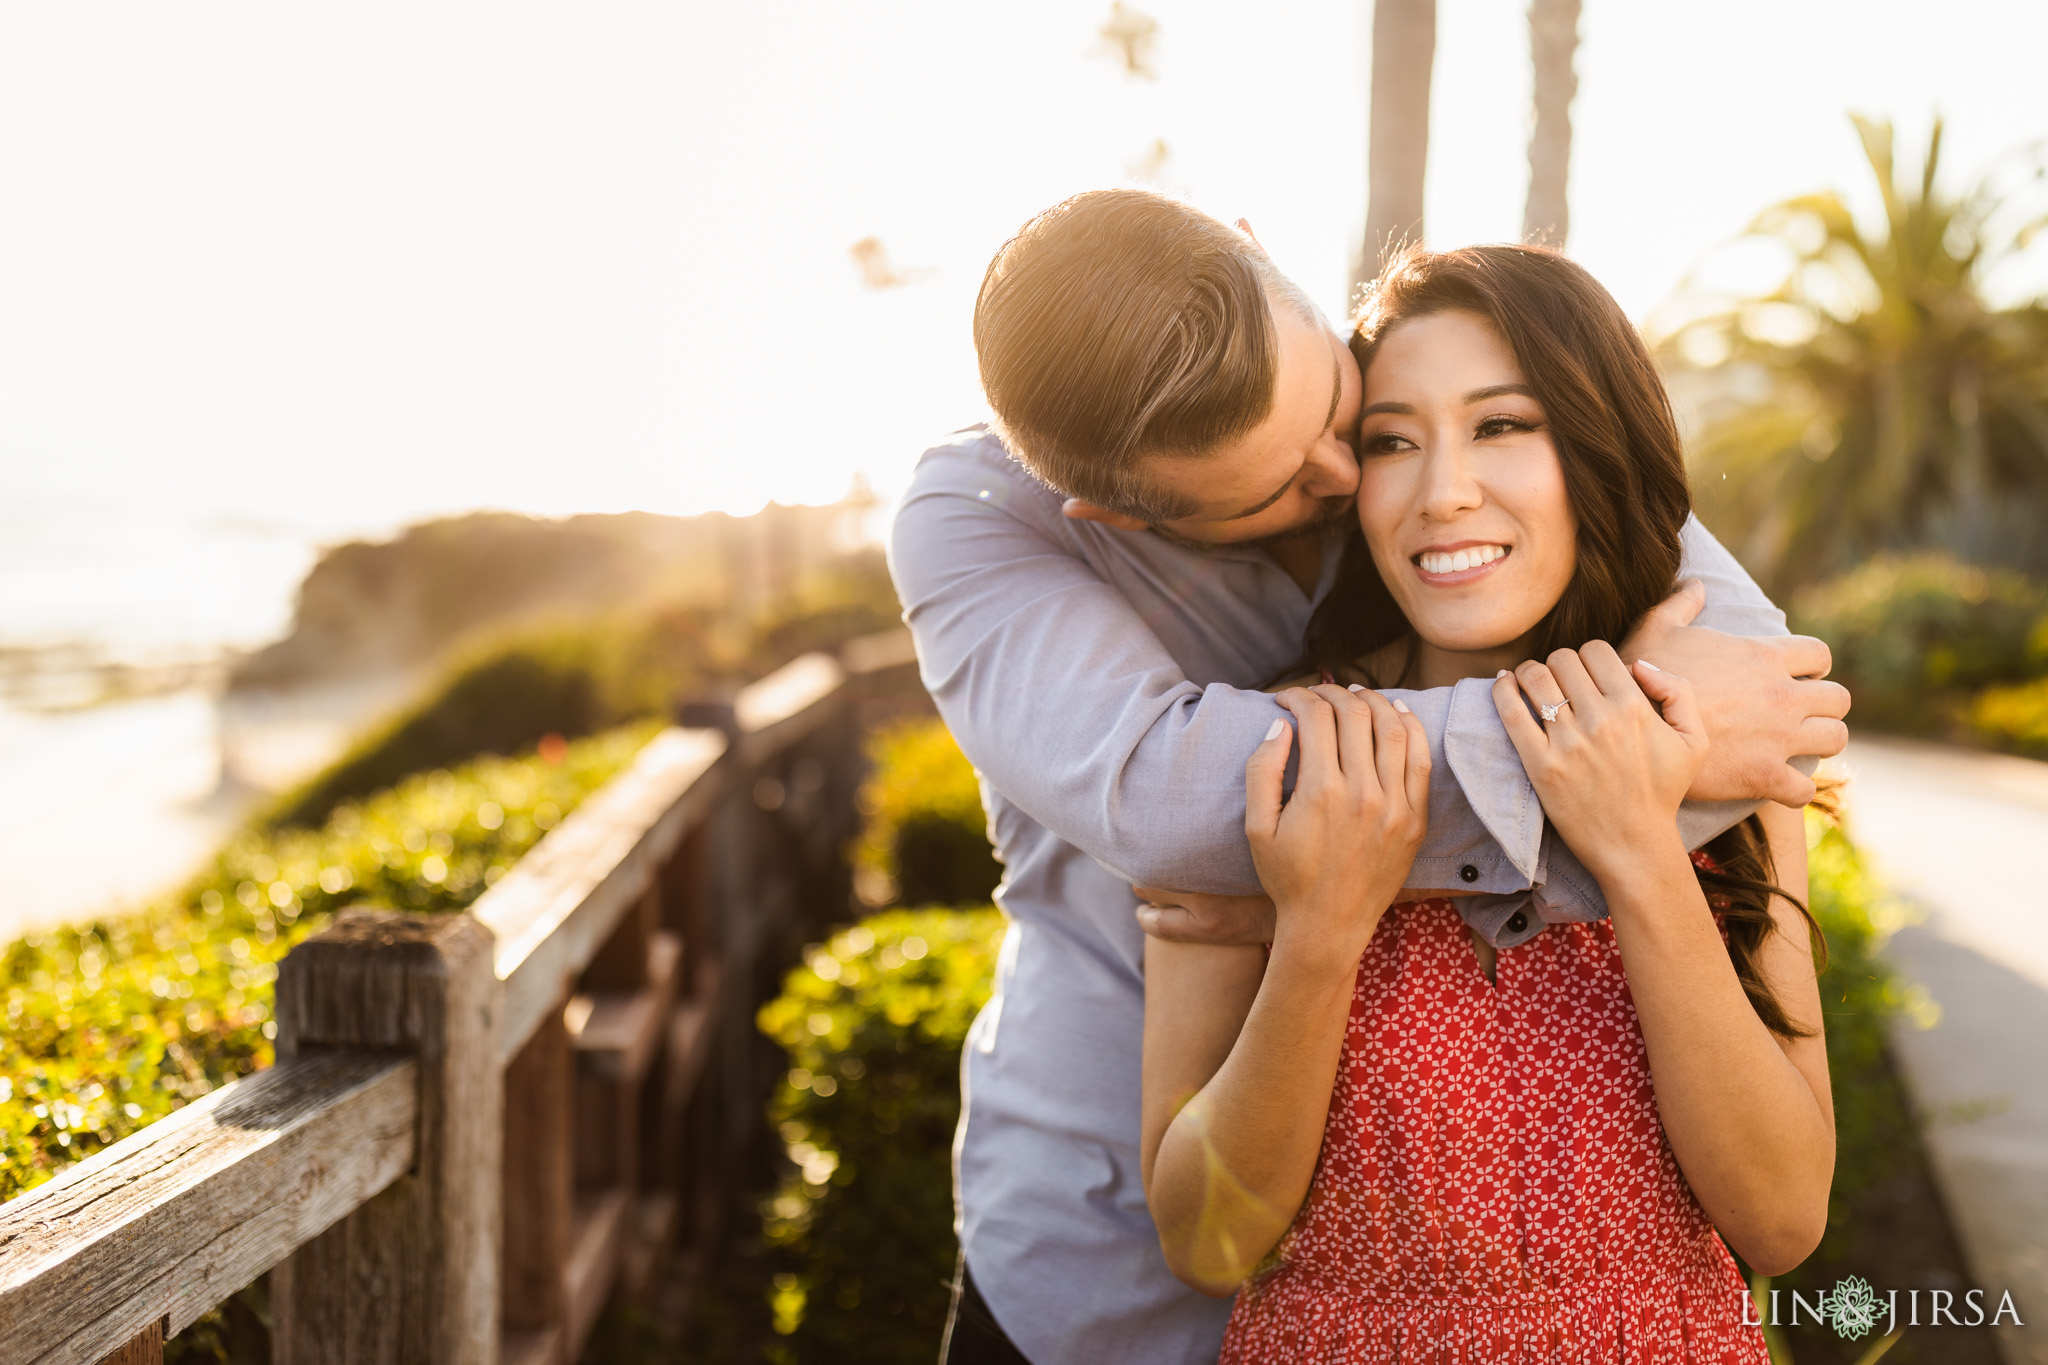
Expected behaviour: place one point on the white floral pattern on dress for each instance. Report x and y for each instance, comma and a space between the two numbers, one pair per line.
1495, 1187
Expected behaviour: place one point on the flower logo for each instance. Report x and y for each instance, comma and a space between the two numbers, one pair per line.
1852, 1308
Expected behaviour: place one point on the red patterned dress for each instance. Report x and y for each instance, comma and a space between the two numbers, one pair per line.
1494, 1184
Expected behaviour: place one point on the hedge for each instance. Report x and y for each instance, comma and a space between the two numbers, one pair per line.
925, 840
114, 1023
1916, 636
873, 1023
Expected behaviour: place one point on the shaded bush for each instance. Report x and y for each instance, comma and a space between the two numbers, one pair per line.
1915, 636
926, 838
873, 1023
504, 693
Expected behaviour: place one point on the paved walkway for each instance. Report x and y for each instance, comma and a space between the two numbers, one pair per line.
1966, 836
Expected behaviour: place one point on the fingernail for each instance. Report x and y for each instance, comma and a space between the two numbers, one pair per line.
1502, 674
1400, 705
1647, 664
1357, 687
1273, 732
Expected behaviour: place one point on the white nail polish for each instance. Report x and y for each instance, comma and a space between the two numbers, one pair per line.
1502, 674
1400, 705
1273, 731
1357, 687
1647, 664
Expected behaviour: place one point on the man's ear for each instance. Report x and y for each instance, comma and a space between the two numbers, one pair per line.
1244, 225
1079, 509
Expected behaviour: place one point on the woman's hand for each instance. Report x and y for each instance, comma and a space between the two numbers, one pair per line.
1614, 765
1336, 853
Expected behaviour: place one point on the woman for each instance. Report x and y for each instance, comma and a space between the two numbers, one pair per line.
1528, 1157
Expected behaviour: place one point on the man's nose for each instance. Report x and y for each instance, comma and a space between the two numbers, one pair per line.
1332, 470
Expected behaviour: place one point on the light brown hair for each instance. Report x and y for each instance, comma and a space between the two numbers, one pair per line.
1122, 323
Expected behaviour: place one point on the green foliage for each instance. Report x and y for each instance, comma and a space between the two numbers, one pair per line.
926, 838
873, 1023
508, 693
1860, 995
2013, 718
505, 692
1913, 635
114, 1023
1885, 1221
1874, 400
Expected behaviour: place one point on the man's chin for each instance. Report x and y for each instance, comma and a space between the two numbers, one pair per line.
1335, 513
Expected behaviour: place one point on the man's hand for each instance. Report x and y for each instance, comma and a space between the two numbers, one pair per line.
1192, 917
1763, 701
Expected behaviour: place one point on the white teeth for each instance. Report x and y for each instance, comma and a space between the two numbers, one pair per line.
1459, 560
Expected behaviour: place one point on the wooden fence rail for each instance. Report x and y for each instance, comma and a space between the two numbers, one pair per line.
482, 1128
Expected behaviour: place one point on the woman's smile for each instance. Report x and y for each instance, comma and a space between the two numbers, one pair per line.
1464, 561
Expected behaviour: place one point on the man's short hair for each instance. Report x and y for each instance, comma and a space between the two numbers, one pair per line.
1122, 323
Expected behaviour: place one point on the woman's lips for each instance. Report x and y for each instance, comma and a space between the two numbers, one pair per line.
1479, 561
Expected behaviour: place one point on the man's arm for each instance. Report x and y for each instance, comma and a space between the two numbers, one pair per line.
1762, 692
1060, 694
1057, 690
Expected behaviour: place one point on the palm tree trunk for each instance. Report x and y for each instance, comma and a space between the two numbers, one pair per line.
1403, 50
1553, 42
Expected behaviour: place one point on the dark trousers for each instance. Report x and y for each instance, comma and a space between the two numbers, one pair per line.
973, 1336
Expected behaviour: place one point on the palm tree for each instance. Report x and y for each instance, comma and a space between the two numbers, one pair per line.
1403, 52
1874, 400
1553, 42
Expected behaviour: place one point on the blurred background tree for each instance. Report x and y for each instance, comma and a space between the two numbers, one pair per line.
1553, 44
1397, 153
1875, 400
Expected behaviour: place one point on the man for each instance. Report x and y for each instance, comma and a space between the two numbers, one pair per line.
1096, 594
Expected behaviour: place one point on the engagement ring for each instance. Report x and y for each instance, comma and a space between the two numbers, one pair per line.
1550, 713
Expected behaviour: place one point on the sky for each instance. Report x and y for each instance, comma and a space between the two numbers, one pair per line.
329, 268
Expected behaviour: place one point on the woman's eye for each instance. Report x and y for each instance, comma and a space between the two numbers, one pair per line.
1501, 426
1385, 443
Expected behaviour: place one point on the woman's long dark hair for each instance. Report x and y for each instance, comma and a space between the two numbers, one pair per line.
1624, 473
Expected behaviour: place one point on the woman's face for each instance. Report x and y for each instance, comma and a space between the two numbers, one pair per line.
1461, 494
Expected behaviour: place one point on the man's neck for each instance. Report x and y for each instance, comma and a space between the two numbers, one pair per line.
1302, 557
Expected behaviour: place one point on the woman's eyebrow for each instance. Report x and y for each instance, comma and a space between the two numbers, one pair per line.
1476, 396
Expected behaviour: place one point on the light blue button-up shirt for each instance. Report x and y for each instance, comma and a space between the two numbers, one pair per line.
1105, 686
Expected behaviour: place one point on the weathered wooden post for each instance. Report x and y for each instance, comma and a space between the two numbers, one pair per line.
411, 1277
539, 1194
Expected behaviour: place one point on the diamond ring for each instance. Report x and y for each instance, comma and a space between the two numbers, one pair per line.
1551, 713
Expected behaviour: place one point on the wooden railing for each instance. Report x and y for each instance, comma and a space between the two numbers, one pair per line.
482, 1128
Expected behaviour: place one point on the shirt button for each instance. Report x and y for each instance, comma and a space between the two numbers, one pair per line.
1469, 873
1517, 922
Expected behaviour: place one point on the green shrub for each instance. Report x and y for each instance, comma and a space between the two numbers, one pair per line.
873, 1023
1860, 996
2013, 718
1913, 636
926, 839
506, 694
114, 1023
502, 693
